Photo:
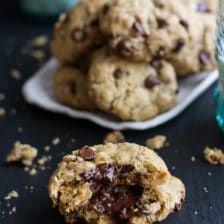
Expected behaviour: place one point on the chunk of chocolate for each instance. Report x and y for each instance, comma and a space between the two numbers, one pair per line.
95, 22
203, 7
79, 35
162, 23
106, 8
184, 23
117, 201
117, 73
86, 153
72, 87
204, 57
123, 47
179, 45
138, 28
152, 81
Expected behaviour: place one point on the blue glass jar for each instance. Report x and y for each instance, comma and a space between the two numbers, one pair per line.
45, 10
219, 92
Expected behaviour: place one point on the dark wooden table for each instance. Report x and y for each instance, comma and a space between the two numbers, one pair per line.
188, 134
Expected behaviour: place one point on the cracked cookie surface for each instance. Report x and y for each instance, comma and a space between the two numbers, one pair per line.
182, 32
115, 183
131, 91
198, 53
77, 31
143, 30
70, 87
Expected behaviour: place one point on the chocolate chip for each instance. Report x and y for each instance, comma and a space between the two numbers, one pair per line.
177, 91
95, 22
204, 57
152, 81
72, 87
79, 35
118, 73
124, 48
138, 28
117, 201
155, 63
162, 23
126, 169
86, 153
184, 23
106, 8
179, 45
203, 7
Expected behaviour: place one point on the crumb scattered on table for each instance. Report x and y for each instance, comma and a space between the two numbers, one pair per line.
39, 41
38, 55
156, 142
47, 148
2, 112
114, 137
2, 96
11, 194
214, 156
32, 172
20, 129
193, 159
15, 74
23, 153
56, 141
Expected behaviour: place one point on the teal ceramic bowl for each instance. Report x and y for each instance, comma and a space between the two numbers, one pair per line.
45, 10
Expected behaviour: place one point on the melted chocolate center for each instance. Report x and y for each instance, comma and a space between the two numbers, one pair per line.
111, 196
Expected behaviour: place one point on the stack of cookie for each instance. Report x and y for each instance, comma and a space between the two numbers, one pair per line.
124, 57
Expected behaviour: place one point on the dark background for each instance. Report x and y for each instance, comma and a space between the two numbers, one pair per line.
188, 134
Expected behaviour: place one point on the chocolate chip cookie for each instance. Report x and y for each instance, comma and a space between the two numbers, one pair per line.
115, 183
143, 30
131, 91
77, 31
198, 53
70, 87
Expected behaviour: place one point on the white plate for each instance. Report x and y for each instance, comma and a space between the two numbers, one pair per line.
38, 90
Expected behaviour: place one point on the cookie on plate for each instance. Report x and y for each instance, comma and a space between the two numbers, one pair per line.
77, 31
198, 53
115, 183
70, 87
131, 91
143, 30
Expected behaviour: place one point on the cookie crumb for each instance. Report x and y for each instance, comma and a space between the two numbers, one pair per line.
13, 210
193, 159
39, 41
156, 142
33, 172
20, 129
15, 74
205, 189
11, 194
56, 141
38, 55
114, 137
41, 161
196, 212
2, 112
209, 173
23, 153
47, 148
214, 156
2, 96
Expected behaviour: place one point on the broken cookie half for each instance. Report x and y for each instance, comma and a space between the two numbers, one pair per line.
115, 183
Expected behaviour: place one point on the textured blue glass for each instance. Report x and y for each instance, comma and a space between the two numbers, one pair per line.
219, 92
45, 9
